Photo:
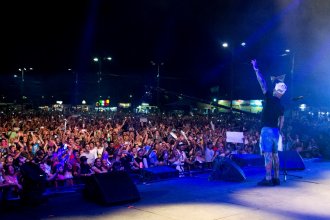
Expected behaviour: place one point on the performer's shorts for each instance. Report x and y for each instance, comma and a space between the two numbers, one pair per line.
269, 139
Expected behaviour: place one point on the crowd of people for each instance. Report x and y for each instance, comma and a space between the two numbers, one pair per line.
72, 146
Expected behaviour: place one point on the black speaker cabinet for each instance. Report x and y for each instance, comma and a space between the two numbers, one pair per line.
33, 182
291, 160
111, 188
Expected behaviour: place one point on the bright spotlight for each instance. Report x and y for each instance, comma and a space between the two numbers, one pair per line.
243, 44
225, 45
109, 58
96, 59
287, 51
302, 107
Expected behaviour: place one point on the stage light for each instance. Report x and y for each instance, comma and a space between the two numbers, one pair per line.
225, 45
302, 107
287, 51
243, 44
96, 59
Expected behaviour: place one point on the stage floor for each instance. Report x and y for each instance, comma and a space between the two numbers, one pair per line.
197, 198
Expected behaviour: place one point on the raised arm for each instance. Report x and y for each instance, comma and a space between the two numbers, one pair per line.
260, 77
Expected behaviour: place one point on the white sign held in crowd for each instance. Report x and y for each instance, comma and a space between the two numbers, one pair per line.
234, 137
65, 124
173, 135
143, 120
212, 125
185, 136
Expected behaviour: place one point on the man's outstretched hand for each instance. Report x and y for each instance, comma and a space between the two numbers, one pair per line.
260, 78
254, 64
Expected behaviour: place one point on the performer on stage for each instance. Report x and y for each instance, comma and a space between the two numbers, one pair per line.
272, 123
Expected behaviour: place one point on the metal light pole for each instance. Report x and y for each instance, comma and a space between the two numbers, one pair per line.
291, 74
226, 45
232, 70
99, 73
157, 78
23, 70
291, 56
76, 90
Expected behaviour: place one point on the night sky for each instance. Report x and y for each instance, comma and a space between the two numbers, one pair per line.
185, 35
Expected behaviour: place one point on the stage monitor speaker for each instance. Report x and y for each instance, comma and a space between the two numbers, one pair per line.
111, 188
291, 160
247, 160
33, 183
159, 172
227, 170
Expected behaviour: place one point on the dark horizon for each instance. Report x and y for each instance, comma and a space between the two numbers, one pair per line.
186, 36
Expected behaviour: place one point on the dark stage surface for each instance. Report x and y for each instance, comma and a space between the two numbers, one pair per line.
197, 198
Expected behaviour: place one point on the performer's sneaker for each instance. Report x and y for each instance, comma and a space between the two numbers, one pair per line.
276, 181
265, 182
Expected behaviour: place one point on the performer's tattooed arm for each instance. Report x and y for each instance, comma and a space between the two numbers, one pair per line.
260, 78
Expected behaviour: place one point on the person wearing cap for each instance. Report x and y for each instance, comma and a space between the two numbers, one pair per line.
272, 122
